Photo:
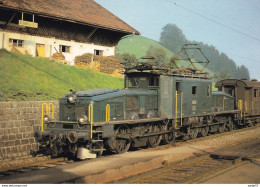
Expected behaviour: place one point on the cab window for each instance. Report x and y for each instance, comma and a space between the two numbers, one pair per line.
153, 82
133, 82
177, 85
194, 90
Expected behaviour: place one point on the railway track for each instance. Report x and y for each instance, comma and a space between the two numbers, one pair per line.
190, 171
38, 165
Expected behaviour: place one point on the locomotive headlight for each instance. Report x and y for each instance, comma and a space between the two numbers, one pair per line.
47, 118
82, 119
72, 98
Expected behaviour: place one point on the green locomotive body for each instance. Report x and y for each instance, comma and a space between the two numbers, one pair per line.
156, 104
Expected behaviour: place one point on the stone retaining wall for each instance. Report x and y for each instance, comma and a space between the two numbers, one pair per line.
18, 121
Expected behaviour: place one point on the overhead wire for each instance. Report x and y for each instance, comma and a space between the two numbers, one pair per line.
253, 4
209, 14
246, 58
212, 20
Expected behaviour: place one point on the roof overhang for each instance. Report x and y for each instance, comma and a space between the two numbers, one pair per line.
129, 30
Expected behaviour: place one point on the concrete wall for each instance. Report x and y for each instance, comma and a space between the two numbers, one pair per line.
18, 121
50, 44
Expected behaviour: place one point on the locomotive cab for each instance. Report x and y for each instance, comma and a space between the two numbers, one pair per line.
142, 81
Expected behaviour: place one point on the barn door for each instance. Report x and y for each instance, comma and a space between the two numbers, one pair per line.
40, 50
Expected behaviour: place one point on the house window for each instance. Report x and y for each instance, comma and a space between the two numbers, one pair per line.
98, 52
64, 49
15, 43
194, 90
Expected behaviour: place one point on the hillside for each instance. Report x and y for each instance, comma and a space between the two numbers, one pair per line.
139, 45
27, 78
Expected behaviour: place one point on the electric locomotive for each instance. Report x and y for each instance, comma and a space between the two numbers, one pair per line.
157, 104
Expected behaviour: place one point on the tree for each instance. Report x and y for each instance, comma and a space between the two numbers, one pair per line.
127, 59
242, 73
172, 38
159, 54
221, 76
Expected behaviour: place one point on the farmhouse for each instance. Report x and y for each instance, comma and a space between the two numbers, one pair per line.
43, 28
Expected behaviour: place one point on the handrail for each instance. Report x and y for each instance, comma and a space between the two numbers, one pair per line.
49, 109
176, 107
240, 107
107, 113
44, 104
90, 118
181, 107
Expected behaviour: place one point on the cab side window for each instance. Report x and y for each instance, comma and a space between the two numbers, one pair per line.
133, 82
153, 82
194, 90
178, 87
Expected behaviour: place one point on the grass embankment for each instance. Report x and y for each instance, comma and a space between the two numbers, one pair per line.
27, 78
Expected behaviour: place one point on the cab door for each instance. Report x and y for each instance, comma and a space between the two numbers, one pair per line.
166, 97
177, 99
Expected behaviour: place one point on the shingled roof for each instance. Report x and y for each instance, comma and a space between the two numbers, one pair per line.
80, 11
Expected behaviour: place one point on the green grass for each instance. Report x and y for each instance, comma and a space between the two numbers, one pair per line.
28, 78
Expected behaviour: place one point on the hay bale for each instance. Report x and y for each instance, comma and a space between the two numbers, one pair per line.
58, 56
106, 64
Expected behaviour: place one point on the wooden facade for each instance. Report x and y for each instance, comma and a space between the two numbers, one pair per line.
60, 26
49, 27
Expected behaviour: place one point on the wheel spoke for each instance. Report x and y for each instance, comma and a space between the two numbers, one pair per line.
121, 145
204, 131
194, 133
169, 137
155, 140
